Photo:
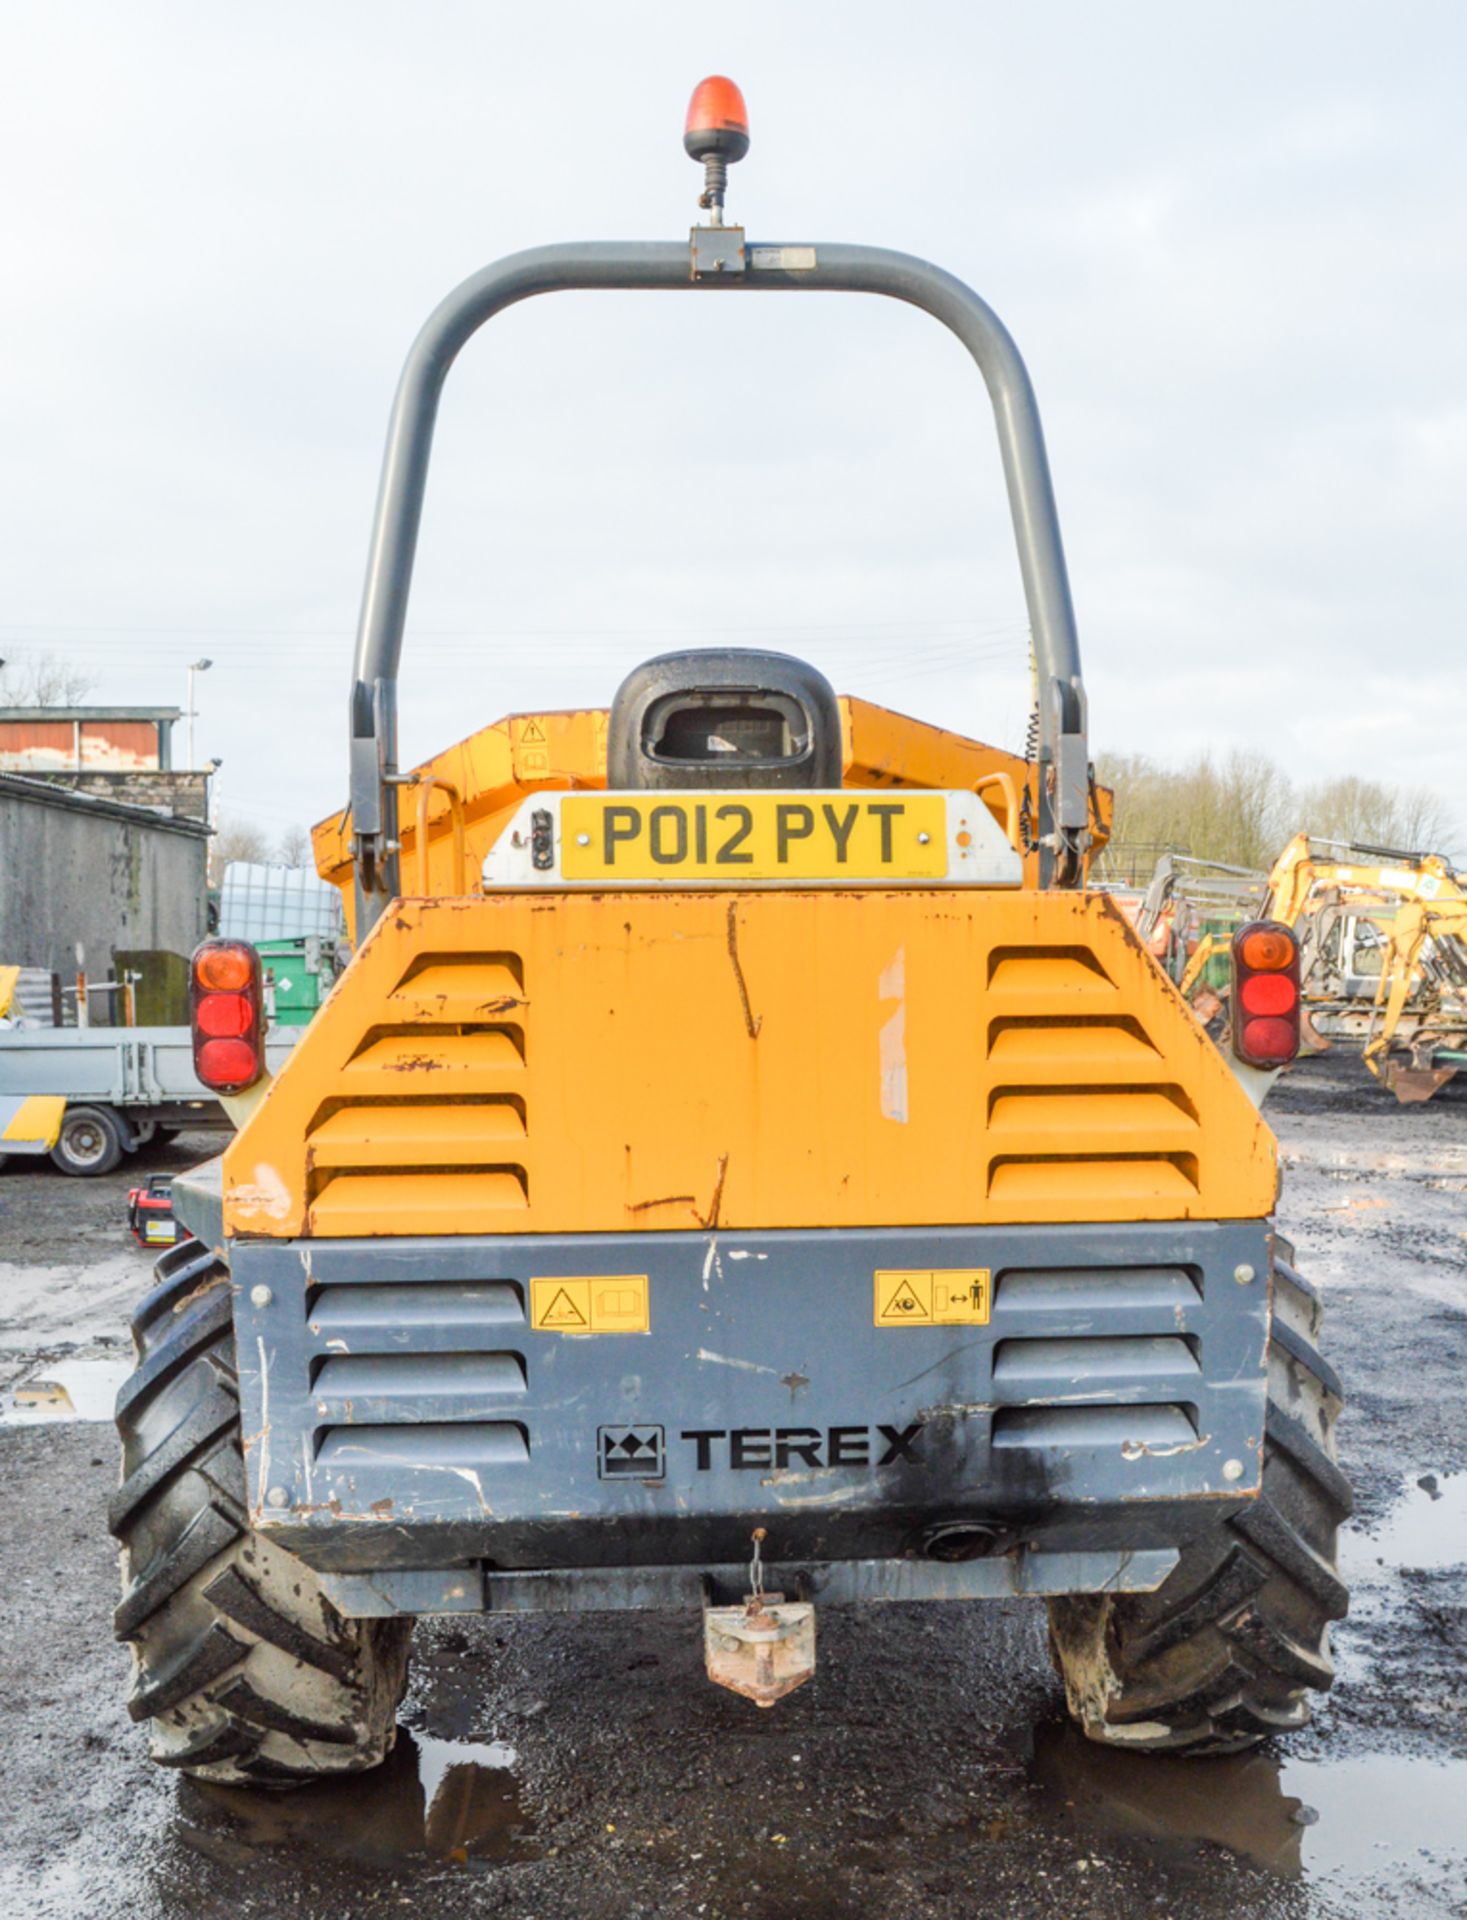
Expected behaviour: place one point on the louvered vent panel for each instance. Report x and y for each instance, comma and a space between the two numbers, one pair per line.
1077, 1112
430, 1131
1122, 1367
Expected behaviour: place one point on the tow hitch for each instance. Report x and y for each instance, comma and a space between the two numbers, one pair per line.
765, 1648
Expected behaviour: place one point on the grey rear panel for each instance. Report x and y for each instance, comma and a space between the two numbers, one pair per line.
400, 1411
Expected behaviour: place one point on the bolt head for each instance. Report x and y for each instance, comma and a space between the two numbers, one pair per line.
260, 1296
1232, 1469
583, 839
277, 1497
923, 838
1243, 1274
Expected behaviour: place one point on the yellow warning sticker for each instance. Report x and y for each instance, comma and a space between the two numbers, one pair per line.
950, 1297
591, 1303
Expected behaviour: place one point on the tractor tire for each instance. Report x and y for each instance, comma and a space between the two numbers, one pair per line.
244, 1671
1225, 1652
91, 1141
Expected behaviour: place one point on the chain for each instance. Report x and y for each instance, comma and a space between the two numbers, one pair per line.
756, 1567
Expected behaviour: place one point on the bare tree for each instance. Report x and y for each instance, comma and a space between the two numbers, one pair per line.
236, 839
294, 848
1352, 808
41, 680
1243, 810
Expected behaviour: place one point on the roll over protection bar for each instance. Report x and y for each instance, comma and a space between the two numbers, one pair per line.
718, 260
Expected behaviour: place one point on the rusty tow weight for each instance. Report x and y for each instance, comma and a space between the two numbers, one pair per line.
765, 1648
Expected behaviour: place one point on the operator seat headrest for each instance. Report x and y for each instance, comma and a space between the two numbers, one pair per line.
724, 717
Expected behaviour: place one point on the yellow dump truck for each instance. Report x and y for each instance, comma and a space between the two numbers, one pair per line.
743, 1169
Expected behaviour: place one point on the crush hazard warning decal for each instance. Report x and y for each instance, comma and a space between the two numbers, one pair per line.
949, 1297
593, 1303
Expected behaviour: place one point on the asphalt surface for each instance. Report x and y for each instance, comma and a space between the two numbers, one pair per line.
583, 1767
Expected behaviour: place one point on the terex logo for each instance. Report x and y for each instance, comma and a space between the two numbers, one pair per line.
749, 1448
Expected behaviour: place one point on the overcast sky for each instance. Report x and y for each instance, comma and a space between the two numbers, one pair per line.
1230, 241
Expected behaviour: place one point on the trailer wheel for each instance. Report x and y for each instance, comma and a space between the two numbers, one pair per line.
90, 1141
1228, 1648
244, 1671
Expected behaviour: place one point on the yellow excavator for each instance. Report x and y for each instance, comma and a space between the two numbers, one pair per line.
1423, 988
1383, 956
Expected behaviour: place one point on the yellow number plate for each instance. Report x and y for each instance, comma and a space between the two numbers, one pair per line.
757, 836
951, 1297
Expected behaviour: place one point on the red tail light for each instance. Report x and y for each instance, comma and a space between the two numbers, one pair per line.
227, 1002
1266, 1002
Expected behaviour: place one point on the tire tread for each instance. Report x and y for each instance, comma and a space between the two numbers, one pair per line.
246, 1672
1224, 1653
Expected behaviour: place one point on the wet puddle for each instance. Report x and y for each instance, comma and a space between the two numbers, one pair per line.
1237, 1803
1360, 1816
1426, 1530
1372, 1813
65, 1390
449, 1800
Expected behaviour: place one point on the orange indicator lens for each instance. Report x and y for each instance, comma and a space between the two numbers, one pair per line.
1266, 950
227, 969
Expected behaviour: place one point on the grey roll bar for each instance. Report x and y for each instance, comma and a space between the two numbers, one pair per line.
717, 260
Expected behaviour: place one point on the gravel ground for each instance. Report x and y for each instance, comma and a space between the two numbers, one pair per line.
562, 1767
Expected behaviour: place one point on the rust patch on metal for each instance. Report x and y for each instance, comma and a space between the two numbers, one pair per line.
1411, 1085
668, 1200
752, 1022
711, 1221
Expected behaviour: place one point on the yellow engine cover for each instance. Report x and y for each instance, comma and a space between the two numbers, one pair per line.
581, 1062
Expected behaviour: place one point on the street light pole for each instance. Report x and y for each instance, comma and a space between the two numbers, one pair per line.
195, 666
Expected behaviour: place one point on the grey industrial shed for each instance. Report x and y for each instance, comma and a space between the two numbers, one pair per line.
77, 870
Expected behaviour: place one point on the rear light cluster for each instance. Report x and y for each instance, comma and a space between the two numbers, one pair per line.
227, 1004
1266, 1002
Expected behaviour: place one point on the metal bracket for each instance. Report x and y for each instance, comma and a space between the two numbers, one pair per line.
716, 250
763, 1649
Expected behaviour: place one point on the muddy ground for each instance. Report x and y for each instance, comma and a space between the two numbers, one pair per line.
582, 1767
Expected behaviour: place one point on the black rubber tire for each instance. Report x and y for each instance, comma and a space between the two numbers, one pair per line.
244, 1671
1226, 1651
75, 1152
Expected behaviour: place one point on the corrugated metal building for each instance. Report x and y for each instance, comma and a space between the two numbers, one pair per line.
78, 870
57, 739
115, 753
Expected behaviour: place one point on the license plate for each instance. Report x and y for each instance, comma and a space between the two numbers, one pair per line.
756, 836
842, 837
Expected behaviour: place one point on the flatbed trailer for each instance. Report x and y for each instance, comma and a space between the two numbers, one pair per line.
120, 1085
